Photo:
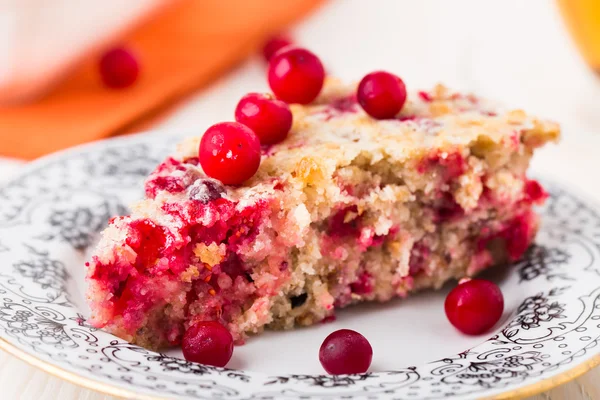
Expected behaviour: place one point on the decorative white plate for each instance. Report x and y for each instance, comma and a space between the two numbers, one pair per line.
51, 214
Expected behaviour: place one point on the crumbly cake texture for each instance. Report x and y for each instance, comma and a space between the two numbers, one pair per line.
346, 209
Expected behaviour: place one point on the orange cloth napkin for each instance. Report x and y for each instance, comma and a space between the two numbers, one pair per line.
181, 49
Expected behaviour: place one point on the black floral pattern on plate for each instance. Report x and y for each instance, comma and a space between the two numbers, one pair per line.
536, 311
78, 226
322, 380
169, 363
35, 323
42, 270
540, 261
488, 373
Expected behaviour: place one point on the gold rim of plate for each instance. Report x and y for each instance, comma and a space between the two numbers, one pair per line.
112, 390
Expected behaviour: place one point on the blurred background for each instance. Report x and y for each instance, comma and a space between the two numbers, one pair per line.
193, 60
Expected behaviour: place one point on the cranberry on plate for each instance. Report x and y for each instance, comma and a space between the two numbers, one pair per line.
474, 306
208, 343
345, 352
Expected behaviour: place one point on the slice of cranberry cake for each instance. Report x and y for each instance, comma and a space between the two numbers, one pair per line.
346, 209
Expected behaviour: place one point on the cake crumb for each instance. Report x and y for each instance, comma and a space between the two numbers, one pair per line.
211, 255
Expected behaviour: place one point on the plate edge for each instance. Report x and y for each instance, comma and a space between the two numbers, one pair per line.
549, 383
72, 377
113, 390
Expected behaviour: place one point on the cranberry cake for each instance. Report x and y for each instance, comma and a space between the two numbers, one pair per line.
346, 209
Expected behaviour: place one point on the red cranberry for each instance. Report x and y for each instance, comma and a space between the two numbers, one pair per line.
454, 165
534, 192
229, 152
296, 75
147, 239
426, 97
269, 118
207, 343
381, 94
273, 45
167, 183
345, 352
343, 223
518, 236
119, 68
363, 285
474, 306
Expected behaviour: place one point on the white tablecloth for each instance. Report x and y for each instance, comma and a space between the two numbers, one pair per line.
513, 50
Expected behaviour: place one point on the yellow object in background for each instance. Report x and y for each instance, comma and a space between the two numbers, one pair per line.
583, 21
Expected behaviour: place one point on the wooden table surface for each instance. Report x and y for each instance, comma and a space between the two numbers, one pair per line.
515, 51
